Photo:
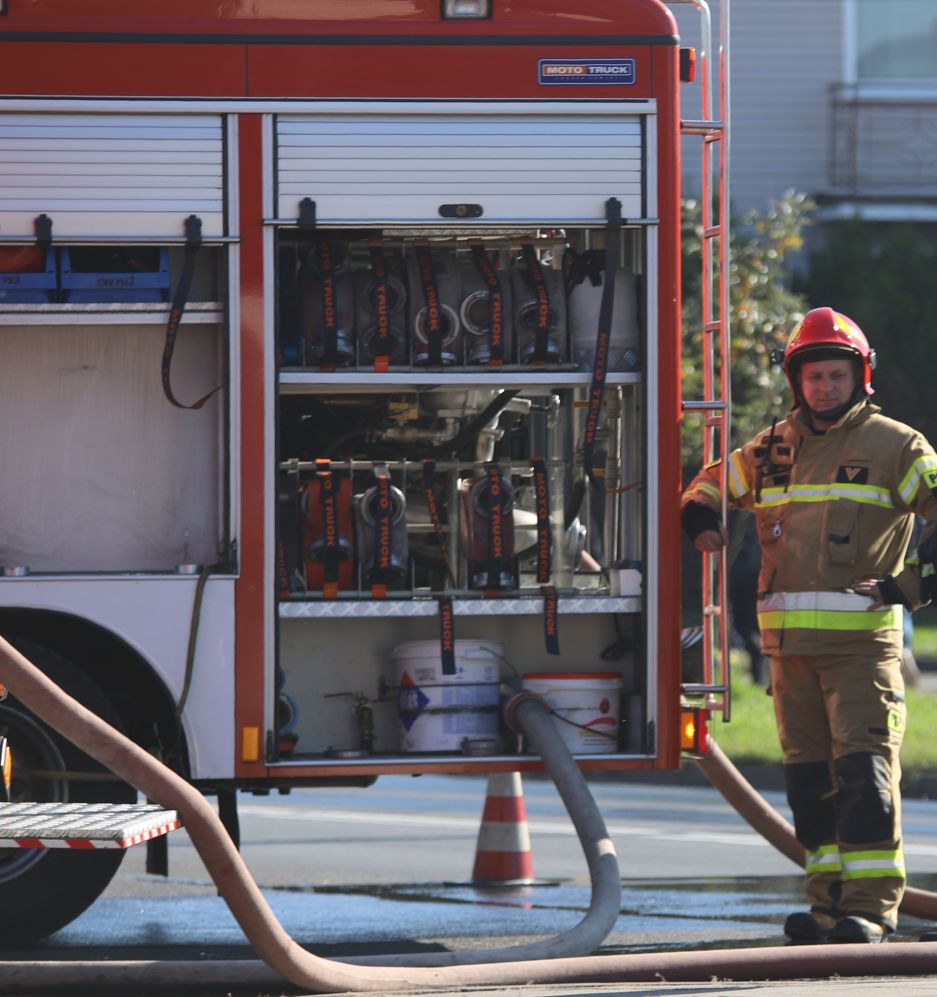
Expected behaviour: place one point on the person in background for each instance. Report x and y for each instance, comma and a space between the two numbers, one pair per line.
835, 487
744, 569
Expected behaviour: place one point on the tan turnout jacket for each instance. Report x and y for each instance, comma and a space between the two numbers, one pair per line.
831, 509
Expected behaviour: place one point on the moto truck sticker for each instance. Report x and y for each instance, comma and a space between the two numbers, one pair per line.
586, 71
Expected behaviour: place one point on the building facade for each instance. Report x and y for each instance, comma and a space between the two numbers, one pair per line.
834, 98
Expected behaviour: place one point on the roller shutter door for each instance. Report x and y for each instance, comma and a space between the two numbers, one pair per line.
111, 175
400, 166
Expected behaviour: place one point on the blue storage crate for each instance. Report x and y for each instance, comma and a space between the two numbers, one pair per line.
28, 287
114, 285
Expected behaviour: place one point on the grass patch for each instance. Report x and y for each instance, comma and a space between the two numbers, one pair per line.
924, 642
751, 735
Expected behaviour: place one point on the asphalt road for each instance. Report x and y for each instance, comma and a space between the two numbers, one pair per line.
375, 866
388, 869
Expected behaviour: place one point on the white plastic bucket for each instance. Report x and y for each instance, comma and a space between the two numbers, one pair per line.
438, 711
587, 705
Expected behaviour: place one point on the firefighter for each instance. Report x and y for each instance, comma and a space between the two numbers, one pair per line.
835, 487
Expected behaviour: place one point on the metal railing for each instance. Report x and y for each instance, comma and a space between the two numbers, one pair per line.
883, 140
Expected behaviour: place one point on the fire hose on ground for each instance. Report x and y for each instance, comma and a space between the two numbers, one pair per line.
742, 796
287, 958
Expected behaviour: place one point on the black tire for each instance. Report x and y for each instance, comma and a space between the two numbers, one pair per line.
42, 889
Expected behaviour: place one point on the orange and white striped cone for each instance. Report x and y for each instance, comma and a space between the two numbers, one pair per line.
502, 855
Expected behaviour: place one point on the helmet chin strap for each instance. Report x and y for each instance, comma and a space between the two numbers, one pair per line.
836, 413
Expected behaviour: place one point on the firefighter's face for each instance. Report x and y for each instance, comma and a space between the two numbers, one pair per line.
827, 384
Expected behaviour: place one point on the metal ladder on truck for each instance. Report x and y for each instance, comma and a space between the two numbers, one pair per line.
712, 127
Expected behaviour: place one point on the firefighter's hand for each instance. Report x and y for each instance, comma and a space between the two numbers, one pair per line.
710, 541
869, 587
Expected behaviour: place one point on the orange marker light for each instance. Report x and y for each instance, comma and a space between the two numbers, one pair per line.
693, 730
250, 744
6, 766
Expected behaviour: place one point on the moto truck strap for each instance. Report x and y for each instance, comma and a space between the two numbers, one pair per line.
539, 287
494, 526
446, 635
600, 366
193, 241
325, 264
433, 325
542, 497
382, 347
332, 551
381, 565
432, 505
495, 305
542, 500
446, 612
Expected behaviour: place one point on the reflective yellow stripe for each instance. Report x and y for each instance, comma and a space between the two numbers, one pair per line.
873, 865
912, 480
864, 494
825, 859
710, 491
738, 483
889, 618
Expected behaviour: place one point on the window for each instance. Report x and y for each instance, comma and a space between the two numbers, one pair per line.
896, 40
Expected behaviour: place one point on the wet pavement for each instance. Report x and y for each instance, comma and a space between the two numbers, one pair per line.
656, 916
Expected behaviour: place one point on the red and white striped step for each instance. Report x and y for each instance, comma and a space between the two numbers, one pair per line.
83, 825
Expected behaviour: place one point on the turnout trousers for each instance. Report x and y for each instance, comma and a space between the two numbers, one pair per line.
841, 719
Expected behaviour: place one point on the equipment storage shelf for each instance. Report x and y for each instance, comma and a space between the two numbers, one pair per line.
197, 313
521, 605
433, 410
301, 382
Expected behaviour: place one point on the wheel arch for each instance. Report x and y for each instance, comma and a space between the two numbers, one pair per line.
124, 675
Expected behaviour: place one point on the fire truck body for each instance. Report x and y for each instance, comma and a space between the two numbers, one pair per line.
251, 587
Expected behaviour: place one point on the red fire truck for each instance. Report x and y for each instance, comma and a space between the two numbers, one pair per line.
340, 390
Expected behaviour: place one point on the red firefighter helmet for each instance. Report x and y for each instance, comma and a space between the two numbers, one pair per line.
823, 334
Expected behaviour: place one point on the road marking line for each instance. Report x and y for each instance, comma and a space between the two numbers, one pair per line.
309, 815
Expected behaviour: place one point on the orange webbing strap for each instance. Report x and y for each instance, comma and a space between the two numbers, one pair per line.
432, 505
329, 500
381, 310
600, 365
489, 275
542, 502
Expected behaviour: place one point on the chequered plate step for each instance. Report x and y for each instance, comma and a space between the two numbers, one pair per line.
82, 825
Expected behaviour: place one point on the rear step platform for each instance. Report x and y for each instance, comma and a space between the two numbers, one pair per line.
83, 825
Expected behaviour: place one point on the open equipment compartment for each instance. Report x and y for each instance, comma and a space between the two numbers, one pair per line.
404, 479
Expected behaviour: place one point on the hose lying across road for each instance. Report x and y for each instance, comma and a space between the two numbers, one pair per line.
294, 963
775, 829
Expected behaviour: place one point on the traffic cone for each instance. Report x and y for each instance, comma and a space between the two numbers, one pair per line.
502, 855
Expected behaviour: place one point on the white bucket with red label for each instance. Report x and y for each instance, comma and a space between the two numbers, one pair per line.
438, 711
587, 707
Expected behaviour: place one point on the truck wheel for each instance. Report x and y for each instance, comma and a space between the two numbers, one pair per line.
43, 889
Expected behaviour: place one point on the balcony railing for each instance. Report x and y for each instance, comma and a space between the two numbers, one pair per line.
884, 141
